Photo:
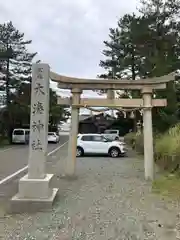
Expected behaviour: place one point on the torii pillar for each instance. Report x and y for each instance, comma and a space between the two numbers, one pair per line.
70, 165
148, 134
111, 95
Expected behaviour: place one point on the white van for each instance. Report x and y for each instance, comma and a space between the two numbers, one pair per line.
20, 135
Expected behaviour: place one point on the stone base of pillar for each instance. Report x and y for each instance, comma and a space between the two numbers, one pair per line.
33, 195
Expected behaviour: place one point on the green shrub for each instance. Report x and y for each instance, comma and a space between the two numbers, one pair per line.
167, 149
135, 140
130, 138
3, 140
139, 143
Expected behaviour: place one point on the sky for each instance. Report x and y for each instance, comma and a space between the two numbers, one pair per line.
67, 34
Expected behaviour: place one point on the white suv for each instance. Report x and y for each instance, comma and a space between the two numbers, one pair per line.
98, 144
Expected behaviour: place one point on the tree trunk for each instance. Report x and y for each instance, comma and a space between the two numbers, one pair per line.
9, 131
133, 69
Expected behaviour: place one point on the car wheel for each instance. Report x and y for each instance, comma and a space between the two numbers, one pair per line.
114, 152
79, 152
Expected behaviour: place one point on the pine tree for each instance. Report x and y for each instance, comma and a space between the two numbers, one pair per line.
124, 59
57, 113
161, 39
161, 52
148, 45
122, 50
20, 64
21, 105
16, 68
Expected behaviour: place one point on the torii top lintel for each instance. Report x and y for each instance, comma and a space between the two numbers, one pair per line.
90, 84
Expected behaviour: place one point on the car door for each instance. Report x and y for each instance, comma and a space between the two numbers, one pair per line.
99, 144
86, 143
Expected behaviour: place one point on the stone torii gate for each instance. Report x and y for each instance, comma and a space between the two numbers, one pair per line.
146, 103
34, 188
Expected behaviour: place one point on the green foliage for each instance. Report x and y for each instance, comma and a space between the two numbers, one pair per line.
17, 82
147, 45
164, 118
130, 138
20, 63
16, 68
3, 141
20, 107
167, 149
139, 143
136, 141
161, 38
122, 50
163, 56
169, 142
56, 113
168, 185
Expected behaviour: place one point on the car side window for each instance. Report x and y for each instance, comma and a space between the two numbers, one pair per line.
86, 138
112, 132
97, 139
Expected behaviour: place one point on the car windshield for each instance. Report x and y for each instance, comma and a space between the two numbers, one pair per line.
18, 132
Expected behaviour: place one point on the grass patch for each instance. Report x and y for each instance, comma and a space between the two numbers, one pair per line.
168, 186
139, 156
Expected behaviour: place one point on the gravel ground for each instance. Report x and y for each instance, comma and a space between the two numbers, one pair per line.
109, 200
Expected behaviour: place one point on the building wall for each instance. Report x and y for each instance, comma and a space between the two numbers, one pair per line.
87, 128
95, 124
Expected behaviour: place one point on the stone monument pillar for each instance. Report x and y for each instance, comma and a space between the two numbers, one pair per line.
34, 187
70, 167
148, 134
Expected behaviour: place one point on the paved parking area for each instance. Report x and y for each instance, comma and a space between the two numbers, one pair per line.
10, 167
16, 157
109, 200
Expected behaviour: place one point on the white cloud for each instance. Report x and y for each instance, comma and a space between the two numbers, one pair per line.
67, 34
